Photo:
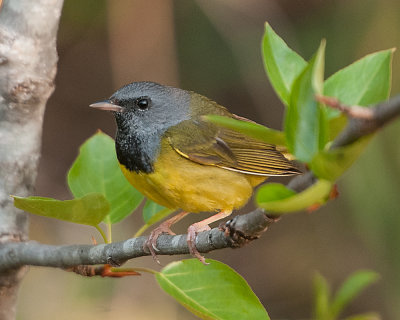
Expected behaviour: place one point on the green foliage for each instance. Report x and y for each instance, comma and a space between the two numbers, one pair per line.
282, 64
309, 126
329, 308
305, 122
322, 294
251, 129
352, 287
90, 209
365, 82
210, 292
277, 198
331, 164
272, 192
96, 170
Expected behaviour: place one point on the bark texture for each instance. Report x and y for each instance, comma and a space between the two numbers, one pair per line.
28, 59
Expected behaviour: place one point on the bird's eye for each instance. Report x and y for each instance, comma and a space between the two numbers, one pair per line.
143, 103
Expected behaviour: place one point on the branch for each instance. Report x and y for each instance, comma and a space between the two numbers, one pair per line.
234, 233
382, 114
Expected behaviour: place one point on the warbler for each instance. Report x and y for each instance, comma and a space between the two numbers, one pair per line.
169, 152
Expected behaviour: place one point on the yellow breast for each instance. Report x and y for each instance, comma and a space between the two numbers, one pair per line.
179, 183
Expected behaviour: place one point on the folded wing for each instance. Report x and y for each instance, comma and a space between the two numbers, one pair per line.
206, 143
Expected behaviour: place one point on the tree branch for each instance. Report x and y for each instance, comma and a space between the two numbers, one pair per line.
234, 233
383, 113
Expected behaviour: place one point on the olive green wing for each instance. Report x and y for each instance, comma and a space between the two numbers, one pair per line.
208, 144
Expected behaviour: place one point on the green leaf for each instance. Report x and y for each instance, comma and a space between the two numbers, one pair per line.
153, 212
90, 209
253, 130
274, 192
281, 63
336, 125
365, 82
354, 284
96, 169
214, 291
322, 294
331, 164
318, 193
306, 126
319, 69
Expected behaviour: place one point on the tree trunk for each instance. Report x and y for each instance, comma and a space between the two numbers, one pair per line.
28, 59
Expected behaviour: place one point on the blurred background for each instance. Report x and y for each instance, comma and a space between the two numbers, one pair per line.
213, 47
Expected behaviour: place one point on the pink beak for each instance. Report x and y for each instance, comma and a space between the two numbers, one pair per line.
107, 105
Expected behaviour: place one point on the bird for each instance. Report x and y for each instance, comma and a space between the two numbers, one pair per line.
171, 153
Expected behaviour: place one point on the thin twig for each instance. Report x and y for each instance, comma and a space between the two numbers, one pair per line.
356, 112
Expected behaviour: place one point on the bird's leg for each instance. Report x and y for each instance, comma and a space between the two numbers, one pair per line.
200, 226
165, 227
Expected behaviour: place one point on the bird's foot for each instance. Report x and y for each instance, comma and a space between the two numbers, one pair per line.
192, 232
151, 242
165, 227
201, 226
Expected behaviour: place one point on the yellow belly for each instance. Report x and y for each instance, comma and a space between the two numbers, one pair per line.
179, 183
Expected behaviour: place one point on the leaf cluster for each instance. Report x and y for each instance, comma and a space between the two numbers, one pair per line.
309, 126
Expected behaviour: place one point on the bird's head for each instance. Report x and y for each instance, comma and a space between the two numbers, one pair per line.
147, 107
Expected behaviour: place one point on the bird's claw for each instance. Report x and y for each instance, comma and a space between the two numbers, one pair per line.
151, 242
154, 246
148, 246
192, 232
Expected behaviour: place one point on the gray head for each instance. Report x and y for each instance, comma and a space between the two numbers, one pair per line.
147, 107
143, 112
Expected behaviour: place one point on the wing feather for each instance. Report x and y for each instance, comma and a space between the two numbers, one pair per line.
207, 144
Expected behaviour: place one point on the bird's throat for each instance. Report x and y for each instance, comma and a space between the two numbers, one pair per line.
137, 153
